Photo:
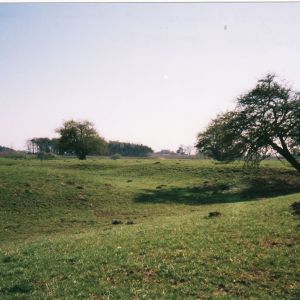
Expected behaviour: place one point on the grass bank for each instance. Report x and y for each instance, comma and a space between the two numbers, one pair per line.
58, 242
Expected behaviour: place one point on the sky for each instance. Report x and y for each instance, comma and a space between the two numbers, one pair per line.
149, 73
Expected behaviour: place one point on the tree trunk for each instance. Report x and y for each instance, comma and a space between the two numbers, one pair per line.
287, 155
293, 161
81, 156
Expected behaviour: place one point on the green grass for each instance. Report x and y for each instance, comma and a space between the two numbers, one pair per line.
57, 239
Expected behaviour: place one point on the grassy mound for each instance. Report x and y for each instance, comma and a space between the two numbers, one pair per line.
58, 240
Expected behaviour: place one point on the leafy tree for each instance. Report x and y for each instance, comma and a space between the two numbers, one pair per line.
80, 138
217, 140
266, 121
180, 150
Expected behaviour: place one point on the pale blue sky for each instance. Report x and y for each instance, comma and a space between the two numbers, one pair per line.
144, 73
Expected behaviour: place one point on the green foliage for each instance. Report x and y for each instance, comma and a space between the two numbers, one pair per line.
266, 122
46, 156
116, 156
128, 149
45, 145
6, 149
80, 138
221, 140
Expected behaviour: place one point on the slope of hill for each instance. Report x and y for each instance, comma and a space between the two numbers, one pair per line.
58, 242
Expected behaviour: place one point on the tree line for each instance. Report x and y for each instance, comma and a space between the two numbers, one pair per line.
128, 149
80, 138
43, 144
6, 149
265, 123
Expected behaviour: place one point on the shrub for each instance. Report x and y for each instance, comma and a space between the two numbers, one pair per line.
116, 156
13, 155
46, 156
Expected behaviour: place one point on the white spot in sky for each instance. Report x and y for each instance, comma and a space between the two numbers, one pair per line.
166, 77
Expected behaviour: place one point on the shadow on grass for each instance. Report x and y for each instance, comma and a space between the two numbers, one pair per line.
210, 193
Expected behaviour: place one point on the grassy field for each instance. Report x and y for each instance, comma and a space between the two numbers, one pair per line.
57, 239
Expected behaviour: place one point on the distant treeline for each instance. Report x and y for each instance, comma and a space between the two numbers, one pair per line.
38, 145
6, 149
47, 145
128, 149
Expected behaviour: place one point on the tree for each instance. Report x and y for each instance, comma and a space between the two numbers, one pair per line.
188, 150
80, 138
184, 150
180, 150
266, 121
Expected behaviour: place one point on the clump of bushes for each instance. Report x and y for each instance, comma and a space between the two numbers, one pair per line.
214, 214
13, 155
296, 208
46, 156
116, 156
